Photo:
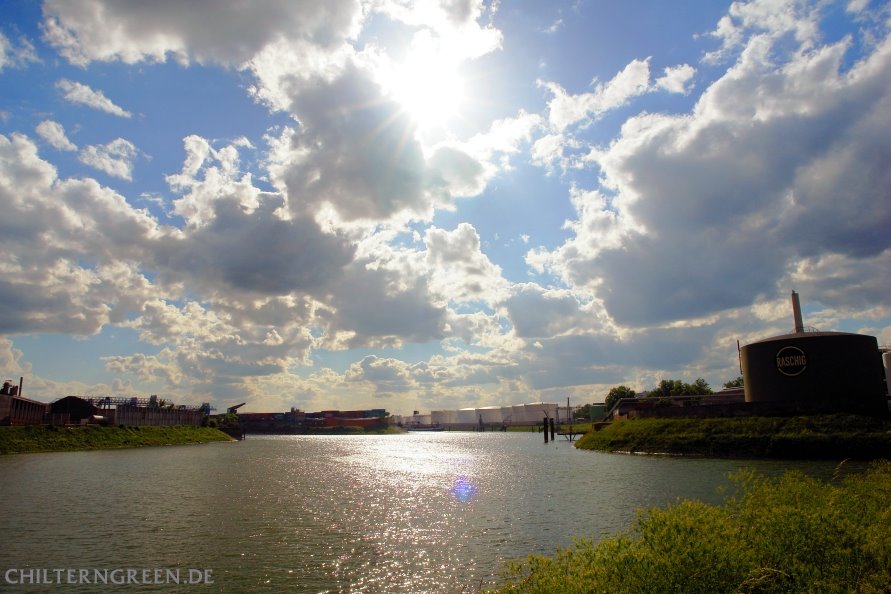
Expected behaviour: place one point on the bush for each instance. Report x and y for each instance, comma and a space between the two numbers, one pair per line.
793, 534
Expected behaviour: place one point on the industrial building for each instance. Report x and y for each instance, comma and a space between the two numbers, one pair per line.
106, 410
806, 371
488, 417
130, 411
812, 371
297, 421
18, 410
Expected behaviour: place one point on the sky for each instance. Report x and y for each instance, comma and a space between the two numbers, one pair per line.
421, 205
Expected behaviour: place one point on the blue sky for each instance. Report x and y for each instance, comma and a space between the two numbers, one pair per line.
424, 205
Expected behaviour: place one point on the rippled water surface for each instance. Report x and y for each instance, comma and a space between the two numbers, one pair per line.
420, 512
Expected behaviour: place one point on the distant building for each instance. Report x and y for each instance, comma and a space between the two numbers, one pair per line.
297, 421
17, 410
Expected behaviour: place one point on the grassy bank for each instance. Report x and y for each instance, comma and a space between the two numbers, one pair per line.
18, 440
825, 436
793, 534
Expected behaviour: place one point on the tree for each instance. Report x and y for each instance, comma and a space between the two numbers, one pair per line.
735, 383
676, 387
617, 393
700, 386
584, 412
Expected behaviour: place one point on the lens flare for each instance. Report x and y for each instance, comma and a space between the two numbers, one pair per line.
463, 489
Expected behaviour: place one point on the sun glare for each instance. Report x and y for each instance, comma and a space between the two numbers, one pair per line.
429, 88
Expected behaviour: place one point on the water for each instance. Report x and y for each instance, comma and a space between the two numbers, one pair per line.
421, 512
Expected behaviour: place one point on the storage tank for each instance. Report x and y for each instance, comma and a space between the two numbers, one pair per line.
815, 371
489, 414
467, 416
886, 361
536, 411
507, 415
518, 414
443, 417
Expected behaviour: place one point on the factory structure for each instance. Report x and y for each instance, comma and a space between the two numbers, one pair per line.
15, 409
486, 417
813, 371
806, 371
298, 421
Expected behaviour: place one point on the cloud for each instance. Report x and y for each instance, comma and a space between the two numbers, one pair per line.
95, 30
460, 272
256, 252
70, 266
16, 56
54, 134
387, 375
114, 158
371, 169
676, 79
81, 94
565, 110
777, 165
768, 19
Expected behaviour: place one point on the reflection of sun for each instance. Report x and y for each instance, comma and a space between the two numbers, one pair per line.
428, 86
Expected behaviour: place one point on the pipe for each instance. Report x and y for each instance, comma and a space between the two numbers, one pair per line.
796, 313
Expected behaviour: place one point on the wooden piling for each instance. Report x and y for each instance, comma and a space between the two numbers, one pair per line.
546, 429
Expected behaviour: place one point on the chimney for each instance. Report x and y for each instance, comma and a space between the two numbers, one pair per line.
796, 313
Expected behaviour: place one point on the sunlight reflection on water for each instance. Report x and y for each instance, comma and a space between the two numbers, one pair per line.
435, 512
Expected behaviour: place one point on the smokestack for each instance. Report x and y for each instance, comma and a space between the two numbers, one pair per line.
21, 379
796, 313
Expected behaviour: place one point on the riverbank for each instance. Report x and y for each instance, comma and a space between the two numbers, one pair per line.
793, 534
37, 438
806, 437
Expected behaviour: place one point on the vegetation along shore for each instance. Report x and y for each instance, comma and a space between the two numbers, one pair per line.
814, 437
37, 438
792, 534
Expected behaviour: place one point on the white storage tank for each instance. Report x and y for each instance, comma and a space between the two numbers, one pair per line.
489, 414
443, 417
507, 415
540, 410
467, 416
518, 414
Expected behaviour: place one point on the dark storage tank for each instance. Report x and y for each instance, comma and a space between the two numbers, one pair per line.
816, 372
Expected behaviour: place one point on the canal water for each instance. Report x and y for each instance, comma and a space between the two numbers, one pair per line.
418, 512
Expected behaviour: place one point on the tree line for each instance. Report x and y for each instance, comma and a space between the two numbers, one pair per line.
665, 388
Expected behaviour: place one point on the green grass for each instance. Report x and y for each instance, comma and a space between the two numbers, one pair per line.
823, 436
35, 438
793, 534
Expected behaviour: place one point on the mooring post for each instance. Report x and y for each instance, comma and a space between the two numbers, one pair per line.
552, 429
546, 429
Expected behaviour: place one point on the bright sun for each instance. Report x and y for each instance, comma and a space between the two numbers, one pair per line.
429, 88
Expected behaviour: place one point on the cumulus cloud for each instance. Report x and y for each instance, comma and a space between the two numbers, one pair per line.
66, 267
81, 94
776, 165
676, 79
114, 158
54, 133
460, 272
96, 30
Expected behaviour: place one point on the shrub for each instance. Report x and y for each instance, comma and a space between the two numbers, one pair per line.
793, 534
